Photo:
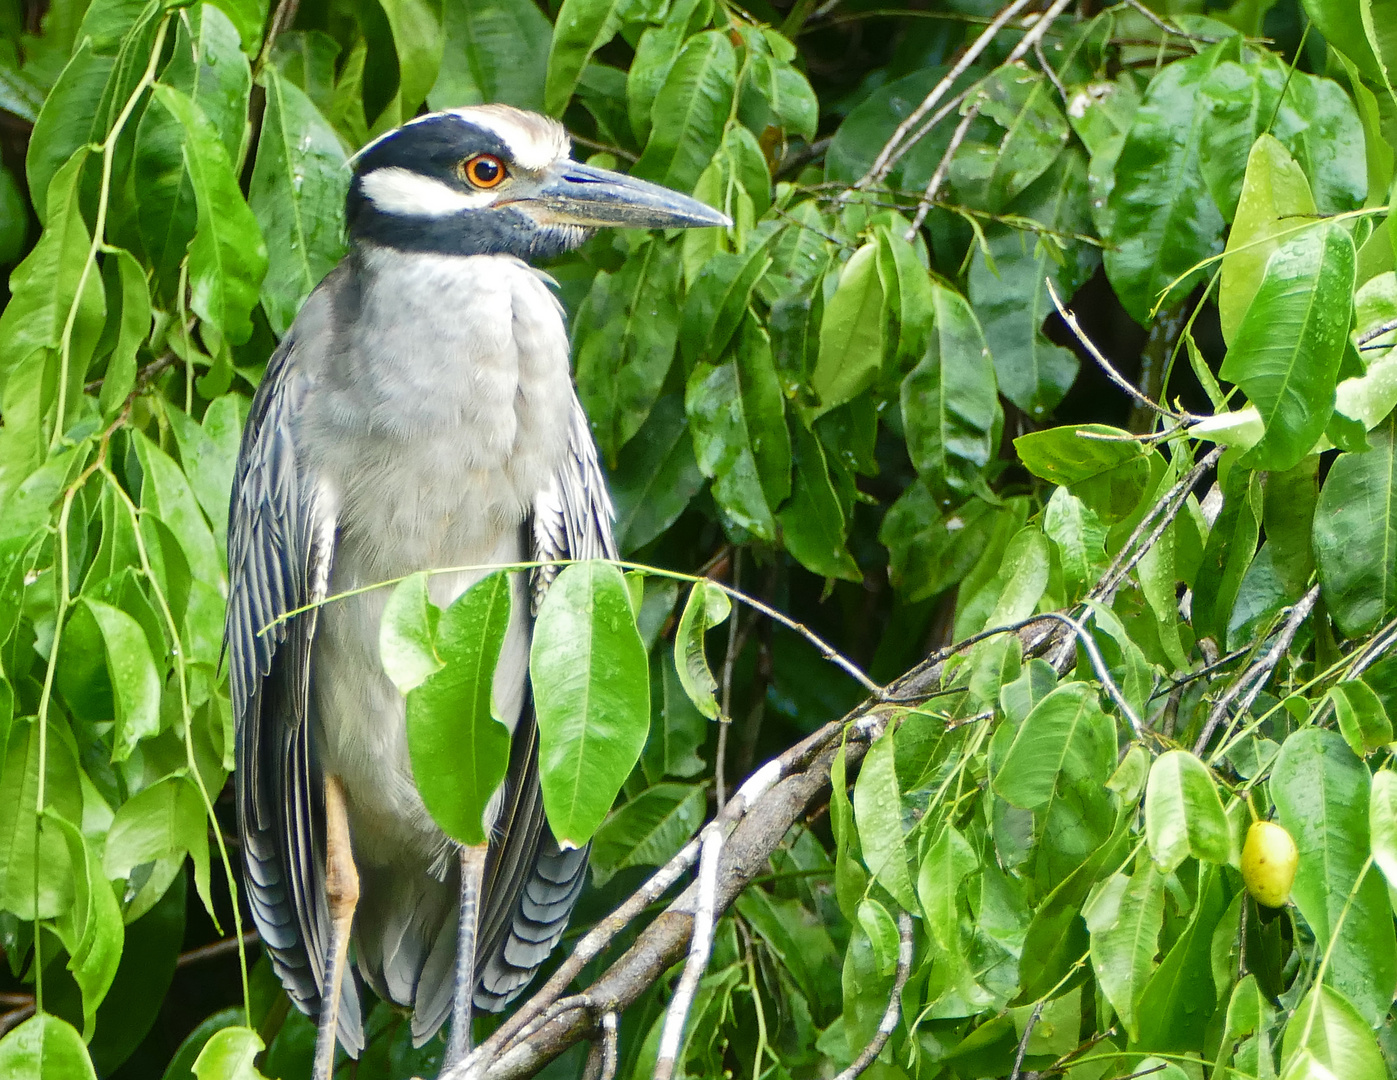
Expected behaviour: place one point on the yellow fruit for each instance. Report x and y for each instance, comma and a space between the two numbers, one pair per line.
1269, 860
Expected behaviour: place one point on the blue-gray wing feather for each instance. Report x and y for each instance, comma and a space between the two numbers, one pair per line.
280, 547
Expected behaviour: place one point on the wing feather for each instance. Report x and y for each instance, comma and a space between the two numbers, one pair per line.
280, 549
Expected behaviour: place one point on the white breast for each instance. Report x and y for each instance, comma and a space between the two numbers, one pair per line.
441, 418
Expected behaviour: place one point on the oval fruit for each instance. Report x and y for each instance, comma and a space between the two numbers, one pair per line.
1269, 860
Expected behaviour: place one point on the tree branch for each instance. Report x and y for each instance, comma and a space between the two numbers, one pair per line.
869, 1054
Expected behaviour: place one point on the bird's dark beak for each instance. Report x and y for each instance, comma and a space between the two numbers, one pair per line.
576, 194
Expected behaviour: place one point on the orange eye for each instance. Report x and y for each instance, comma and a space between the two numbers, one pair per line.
484, 170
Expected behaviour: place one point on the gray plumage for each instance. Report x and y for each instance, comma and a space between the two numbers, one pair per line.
419, 413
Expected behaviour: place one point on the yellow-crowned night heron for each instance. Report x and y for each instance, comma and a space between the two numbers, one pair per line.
419, 413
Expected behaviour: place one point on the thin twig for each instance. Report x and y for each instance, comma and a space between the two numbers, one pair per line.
1376, 332
880, 167
1023, 1042
930, 122
1048, 71
720, 759
1028, 41
1111, 373
605, 148
700, 947
217, 949
1256, 676
1174, 30
1169, 506
869, 1054
601, 1061
1098, 664
942, 168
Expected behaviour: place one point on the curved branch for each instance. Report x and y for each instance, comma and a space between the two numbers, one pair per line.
869, 1054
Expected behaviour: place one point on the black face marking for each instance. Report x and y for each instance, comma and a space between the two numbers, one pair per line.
435, 148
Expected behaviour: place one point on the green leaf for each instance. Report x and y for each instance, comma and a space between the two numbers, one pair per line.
940, 888
1380, 26
648, 830
227, 256
1183, 813
736, 412
1124, 919
657, 476
1287, 349
1321, 792
1274, 194
625, 352
1382, 826
708, 606
655, 54
166, 493
209, 66
418, 42
1023, 103
229, 1055
1327, 1036
592, 691
717, 302
407, 634
1109, 476
133, 328
1080, 537
950, 407
1159, 218
878, 814
1178, 1002
681, 731
65, 124
1065, 739
45, 1048
91, 929
881, 929
1363, 721
1355, 535
581, 28
297, 195
458, 746
1008, 286
135, 680
1341, 23
690, 112
52, 893
852, 332
496, 50
813, 524
44, 287
165, 820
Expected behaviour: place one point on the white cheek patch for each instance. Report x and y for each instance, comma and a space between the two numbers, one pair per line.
406, 193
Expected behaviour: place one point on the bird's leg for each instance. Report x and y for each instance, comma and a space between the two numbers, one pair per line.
472, 884
342, 893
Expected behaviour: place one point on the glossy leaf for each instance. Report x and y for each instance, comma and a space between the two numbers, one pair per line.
689, 112
229, 1055
852, 332
591, 687
950, 409
1160, 218
581, 28
1183, 813
407, 634
1125, 918
135, 681
1328, 1036
656, 478
494, 51
1363, 721
1066, 738
227, 255
43, 1047
36, 874
878, 814
457, 742
1355, 530
165, 820
648, 829
1321, 792
298, 185
1108, 476
708, 606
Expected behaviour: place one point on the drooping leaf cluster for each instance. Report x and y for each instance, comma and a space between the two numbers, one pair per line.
857, 405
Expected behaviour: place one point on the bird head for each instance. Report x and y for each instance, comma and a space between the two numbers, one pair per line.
491, 179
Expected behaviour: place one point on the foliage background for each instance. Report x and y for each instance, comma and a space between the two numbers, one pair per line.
877, 431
